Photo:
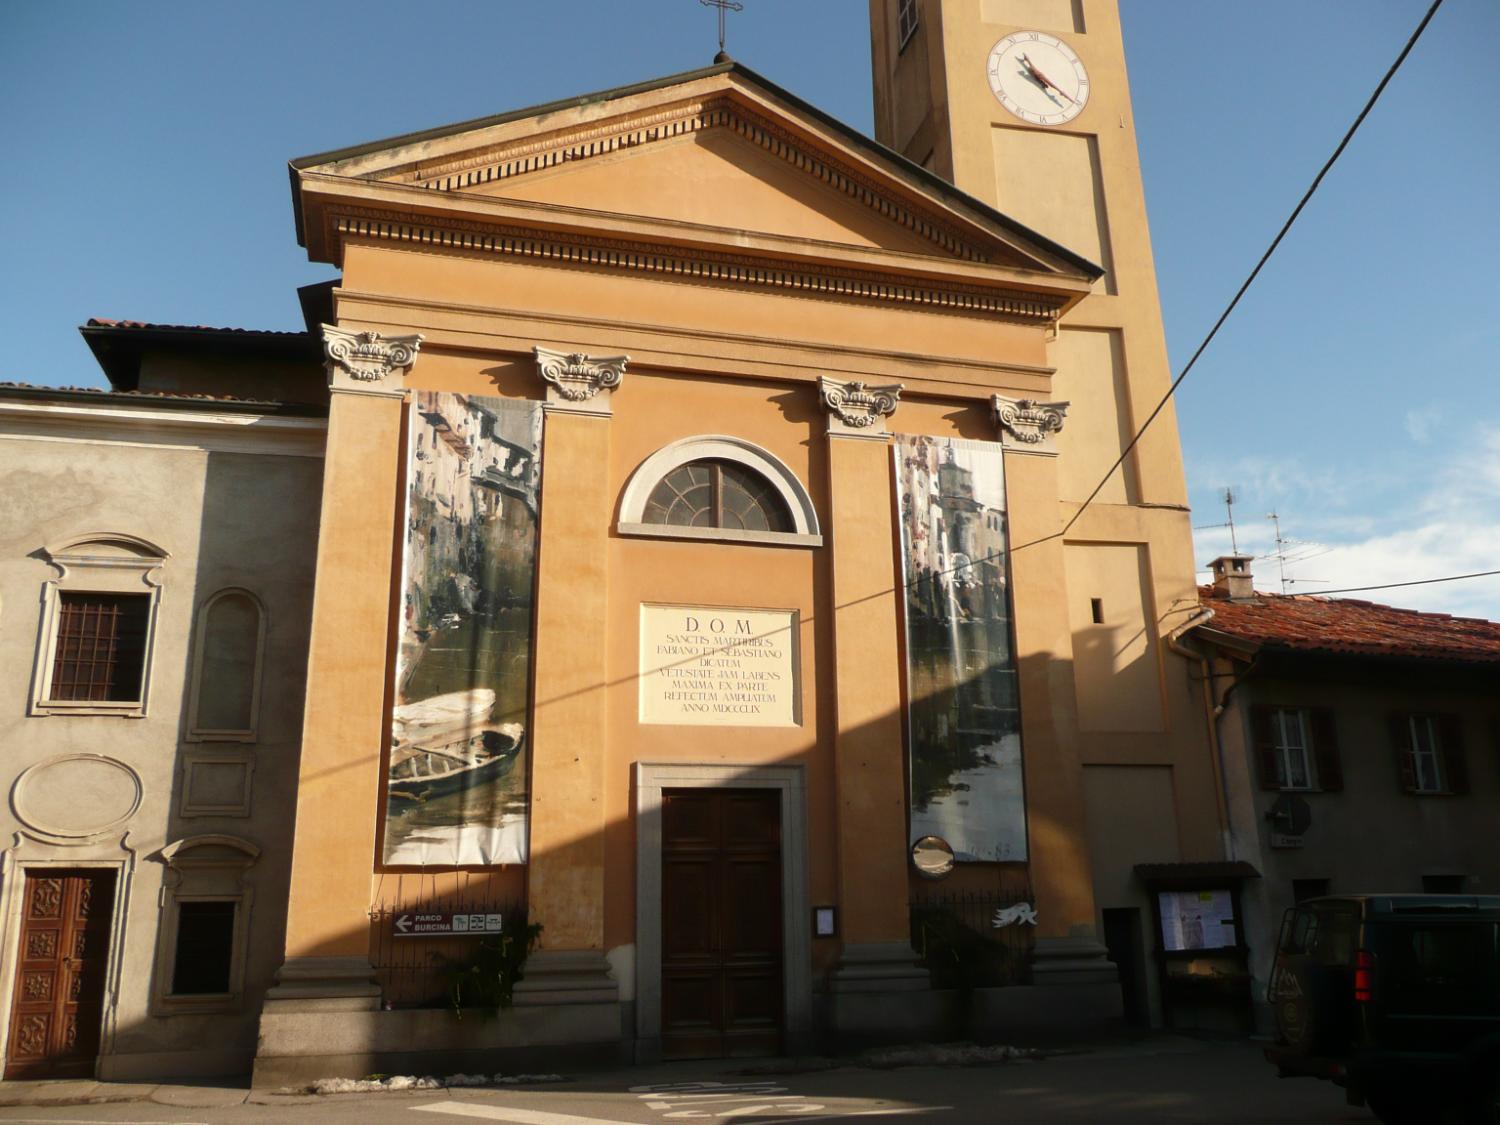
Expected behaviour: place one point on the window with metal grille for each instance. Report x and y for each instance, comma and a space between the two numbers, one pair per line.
101, 647
906, 20
713, 493
205, 947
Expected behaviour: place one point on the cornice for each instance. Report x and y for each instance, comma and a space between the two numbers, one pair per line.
687, 264
586, 140
206, 431
676, 347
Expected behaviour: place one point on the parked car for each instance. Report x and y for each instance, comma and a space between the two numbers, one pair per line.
1396, 998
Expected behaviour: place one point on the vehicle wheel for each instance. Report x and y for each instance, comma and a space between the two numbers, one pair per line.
1484, 1100
1399, 1107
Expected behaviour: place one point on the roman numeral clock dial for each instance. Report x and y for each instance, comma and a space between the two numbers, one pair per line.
1038, 78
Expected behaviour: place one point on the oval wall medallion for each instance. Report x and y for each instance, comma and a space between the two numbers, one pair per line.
76, 795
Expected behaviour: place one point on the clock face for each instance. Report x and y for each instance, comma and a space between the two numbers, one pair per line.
1038, 78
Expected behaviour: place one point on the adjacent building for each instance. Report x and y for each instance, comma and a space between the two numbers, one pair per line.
1359, 747
157, 554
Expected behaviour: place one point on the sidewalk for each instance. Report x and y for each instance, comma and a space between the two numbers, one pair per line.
85, 1091
230, 1092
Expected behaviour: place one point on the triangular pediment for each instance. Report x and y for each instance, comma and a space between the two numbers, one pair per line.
720, 148
717, 178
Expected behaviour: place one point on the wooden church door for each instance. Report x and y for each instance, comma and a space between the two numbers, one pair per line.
721, 971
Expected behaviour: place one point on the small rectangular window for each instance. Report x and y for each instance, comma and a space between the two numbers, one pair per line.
906, 20
101, 647
1096, 607
205, 948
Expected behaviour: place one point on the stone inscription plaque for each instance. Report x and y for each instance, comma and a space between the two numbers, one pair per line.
719, 666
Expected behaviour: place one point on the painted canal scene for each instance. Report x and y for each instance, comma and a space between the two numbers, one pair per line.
967, 785
456, 783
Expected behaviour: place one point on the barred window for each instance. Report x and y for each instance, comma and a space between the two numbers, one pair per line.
101, 647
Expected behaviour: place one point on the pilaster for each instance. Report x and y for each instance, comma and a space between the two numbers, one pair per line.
327, 965
868, 751
566, 879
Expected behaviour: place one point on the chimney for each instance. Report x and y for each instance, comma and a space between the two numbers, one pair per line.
1232, 578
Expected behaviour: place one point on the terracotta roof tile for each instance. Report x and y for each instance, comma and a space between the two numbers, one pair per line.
1347, 625
106, 322
138, 396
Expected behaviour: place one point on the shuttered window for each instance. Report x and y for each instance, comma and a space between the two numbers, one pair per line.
1429, 753
1296, 748
101, 647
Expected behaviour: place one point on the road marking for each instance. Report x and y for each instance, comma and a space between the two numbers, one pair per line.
511, 1114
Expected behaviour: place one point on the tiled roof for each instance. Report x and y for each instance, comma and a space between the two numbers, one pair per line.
34, 391
1345, 625
105, 322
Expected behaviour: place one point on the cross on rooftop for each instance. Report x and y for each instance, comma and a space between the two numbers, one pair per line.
723, 6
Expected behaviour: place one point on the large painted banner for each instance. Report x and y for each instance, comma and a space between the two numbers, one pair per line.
456, 790
964, 718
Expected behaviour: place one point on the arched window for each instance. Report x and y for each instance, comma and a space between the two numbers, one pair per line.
713, 493
226, 684
717, 487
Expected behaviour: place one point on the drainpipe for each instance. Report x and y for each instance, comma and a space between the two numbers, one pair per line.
1210, 718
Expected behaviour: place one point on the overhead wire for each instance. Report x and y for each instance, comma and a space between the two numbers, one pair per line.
1413, 582
1249, 280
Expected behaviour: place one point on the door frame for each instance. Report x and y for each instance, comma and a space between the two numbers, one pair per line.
30, 853
650, 778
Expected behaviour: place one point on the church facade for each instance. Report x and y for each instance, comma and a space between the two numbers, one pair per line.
704, 565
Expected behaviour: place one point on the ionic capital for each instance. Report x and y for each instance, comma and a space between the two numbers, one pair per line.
366, 362
574, 380
856, 409
1026, 425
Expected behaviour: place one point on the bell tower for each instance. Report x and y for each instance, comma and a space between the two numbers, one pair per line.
1025, 105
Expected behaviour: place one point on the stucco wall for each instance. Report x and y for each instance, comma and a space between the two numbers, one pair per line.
1371, 836
225, 519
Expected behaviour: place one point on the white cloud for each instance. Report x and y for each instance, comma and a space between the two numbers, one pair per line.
1444, 522
1421, 423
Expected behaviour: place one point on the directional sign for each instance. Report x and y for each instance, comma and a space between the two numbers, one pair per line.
447, 925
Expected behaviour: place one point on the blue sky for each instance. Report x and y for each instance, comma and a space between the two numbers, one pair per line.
1354, 391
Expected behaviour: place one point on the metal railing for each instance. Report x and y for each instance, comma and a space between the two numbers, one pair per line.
414, 972
954, 934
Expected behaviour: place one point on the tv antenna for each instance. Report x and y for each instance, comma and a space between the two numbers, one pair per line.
1282, 557
1234, 546
723, 6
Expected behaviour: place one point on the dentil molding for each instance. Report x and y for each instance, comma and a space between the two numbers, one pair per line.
856, 409
574, 380
367, 363
1027, 425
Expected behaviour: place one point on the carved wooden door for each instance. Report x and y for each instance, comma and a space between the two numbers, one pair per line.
59, 990
721, 972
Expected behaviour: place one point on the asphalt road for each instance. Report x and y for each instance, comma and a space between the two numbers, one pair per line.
1160, 1082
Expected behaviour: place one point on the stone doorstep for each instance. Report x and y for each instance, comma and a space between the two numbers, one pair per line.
66, 1092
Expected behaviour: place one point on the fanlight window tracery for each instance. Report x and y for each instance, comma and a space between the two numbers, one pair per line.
718, 494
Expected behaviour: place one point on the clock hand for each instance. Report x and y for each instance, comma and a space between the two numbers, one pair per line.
1041, 79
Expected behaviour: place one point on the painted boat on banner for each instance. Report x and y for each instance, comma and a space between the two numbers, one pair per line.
421, 772
431, 720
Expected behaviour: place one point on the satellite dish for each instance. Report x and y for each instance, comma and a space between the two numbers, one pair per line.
1291, 815
932, 857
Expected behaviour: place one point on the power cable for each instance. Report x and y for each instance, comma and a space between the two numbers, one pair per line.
1414, 582
1264, 258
